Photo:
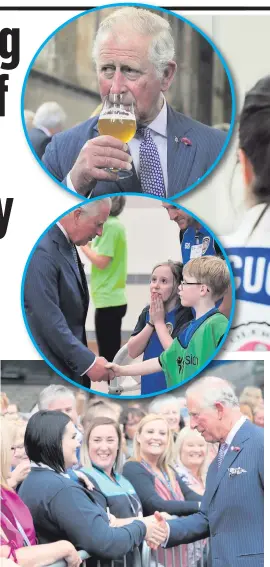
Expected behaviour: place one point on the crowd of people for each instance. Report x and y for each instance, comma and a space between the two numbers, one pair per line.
90, 475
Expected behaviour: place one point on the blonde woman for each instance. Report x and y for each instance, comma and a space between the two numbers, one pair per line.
156, 483
151, 474
17, 532
191, 462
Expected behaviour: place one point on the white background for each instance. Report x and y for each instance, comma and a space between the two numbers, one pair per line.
38, 200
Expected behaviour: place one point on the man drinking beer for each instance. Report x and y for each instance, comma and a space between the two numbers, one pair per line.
134, 56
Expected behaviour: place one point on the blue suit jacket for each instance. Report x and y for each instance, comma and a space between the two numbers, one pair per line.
186, 164
232, 506
56, 302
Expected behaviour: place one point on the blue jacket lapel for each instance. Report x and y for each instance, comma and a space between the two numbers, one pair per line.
180, 157
65, 249
238, 441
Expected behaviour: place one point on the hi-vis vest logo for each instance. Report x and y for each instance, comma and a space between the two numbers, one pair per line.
183, 361
251, 269
205, 244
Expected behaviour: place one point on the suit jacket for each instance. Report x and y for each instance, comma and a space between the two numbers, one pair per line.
39, 140
56, 301
232, 506
186, 163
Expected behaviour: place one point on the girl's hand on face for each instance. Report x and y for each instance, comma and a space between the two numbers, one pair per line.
157, 311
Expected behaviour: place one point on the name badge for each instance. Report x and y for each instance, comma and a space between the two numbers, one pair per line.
196, 251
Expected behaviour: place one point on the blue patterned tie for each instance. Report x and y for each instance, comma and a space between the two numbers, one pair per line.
75, 258
150, 167
221, 454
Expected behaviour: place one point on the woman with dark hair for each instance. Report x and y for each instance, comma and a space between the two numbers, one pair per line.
160, 322
61, 506
108, 256
249, 248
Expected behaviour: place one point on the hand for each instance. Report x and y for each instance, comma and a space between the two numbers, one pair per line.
113, 521
166, 516
116, 369
72, 557
156, 310
84, 478
156, 530
21, 471
96, 154
100, 371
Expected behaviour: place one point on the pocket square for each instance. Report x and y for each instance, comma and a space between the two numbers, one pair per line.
236, 471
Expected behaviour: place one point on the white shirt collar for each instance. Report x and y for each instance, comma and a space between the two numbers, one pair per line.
45, 130
42, 466
63, 231
235, 429
159, 124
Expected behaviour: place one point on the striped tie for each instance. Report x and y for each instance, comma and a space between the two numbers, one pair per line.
221, 454
150, 167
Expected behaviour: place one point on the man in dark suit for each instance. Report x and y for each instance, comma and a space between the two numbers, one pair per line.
56, 294
231, 511
169, 152
48, 120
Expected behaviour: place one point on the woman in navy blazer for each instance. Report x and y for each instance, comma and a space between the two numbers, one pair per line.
60, 506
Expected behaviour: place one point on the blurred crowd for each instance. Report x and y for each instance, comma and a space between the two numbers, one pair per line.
132, 461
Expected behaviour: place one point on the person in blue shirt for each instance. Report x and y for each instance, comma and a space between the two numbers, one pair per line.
159, 322
195, 242
195, 239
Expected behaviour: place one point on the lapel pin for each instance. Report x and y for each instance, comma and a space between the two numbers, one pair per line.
236, 449
186, 141
176, 139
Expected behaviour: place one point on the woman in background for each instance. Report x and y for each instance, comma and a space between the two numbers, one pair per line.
249, 247
159, 322
169, 407
191, 461
17, 533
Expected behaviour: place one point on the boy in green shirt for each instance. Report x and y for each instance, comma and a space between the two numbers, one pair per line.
205, 280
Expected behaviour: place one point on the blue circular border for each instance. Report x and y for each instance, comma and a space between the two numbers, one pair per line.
113, 395
170, 12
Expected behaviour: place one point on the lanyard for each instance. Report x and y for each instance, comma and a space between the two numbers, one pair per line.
26, 541
136, 508
165, 481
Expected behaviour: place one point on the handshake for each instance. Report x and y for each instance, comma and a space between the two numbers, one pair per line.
157, 530
102, 370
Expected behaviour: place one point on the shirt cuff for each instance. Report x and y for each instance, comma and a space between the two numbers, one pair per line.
70, 185
89, 367
168, 537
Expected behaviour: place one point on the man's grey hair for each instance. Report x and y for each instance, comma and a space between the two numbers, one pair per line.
145, 23
93, 207
161, 401
211, 390
52, 393
50, 115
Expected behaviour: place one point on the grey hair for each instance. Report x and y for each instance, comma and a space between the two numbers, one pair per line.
145, 23
93, 207
157, 404
212, 390
50, 115
51, 393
